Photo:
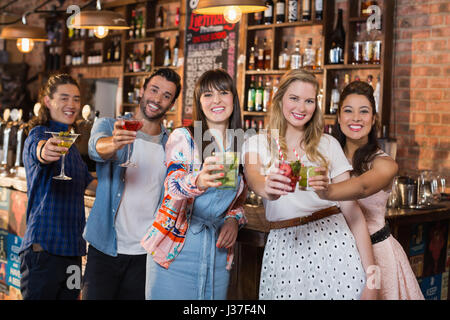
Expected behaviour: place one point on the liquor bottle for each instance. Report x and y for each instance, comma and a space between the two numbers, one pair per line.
130, 61
258, 17
284, 58
175, 52
160, 18
334, 101
275, 86
267, 95
370, 80
281, 16
310, 56
296, 57
260, 125
259, 96
306, 10
144, 60
177, 17
319, 9
247, 124
137, 61
141, 24
267, 55
336, 54
365, 4
117, 55
292, 10
376, 95
268, 13
251, 59
56, 59
132, 30
167, 54
346, 79
68, 60
110, 53
260, 60
251, 95
318, 65
148, 59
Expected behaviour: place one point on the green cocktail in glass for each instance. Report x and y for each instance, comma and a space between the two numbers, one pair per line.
305, 173
230, 162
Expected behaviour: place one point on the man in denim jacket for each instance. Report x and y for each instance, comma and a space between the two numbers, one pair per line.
127, 198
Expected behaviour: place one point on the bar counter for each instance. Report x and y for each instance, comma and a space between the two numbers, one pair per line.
244, 281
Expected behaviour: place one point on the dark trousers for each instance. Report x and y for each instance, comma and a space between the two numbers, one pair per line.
46, 276
114, 278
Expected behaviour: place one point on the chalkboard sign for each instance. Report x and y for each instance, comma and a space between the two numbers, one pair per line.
210, 43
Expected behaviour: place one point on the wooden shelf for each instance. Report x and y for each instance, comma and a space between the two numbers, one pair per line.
147, 39
286, 25
137, 74
274, 72
163, 29
351, 66
255, 113
106, 64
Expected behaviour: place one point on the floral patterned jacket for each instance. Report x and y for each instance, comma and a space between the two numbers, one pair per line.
165, 238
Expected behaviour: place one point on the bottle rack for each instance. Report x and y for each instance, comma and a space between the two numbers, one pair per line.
150, 34
320, 31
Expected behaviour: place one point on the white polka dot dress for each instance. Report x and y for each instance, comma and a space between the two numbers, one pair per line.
318, 260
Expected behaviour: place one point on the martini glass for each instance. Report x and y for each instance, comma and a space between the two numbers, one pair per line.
67, 139
131, 125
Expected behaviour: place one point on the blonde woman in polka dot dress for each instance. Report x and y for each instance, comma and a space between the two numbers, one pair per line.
314, 250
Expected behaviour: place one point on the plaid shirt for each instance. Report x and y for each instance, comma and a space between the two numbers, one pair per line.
55, 211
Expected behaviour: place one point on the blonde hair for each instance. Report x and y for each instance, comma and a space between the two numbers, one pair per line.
314, 127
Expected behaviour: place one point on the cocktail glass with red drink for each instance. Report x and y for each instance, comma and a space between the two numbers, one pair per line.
291, 169
130, 124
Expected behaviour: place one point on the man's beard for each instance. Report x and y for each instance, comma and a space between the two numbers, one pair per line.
143, 107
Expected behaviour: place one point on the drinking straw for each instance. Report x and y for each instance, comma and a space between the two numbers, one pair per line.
279, 149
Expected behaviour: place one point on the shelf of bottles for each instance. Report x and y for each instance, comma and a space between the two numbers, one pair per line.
358, 54
54, 46
275, 45
151, 42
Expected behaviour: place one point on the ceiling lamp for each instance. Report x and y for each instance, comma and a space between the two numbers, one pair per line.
100, 20
25, 35
232, 10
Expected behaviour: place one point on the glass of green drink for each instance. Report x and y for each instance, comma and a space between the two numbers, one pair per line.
307, 172
230, 162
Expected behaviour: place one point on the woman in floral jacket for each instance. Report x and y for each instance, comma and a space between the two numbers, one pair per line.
190, 244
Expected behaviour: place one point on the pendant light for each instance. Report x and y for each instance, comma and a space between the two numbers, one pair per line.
232, 10
100, 20
25, 35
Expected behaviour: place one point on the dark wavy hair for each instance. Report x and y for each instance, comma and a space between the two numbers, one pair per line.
365, 154
220, 80
49, 89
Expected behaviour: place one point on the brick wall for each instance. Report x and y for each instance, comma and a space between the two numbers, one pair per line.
421, 81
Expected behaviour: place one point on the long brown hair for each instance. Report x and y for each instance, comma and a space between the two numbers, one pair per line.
220, 80
49, 89
365, 154
314, 127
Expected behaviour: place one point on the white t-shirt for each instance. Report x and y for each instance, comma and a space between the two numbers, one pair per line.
299, 203
143, 186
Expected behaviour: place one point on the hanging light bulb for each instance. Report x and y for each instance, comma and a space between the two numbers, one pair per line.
101, 32
25, 45
232, 14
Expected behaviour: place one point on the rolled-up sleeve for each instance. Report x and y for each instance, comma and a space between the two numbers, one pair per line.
102, 128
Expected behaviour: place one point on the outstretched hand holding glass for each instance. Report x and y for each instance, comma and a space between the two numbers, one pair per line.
63, 139
125, 133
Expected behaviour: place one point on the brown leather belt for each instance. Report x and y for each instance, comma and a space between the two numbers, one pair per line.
304, 220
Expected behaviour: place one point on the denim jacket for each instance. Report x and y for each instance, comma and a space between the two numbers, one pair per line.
100, 229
